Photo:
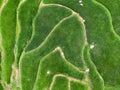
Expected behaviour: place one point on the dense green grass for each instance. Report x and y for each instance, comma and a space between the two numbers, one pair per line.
60, 44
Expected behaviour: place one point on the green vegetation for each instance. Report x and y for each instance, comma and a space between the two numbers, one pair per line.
59, 45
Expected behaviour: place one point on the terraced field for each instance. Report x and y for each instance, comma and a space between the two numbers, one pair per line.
60, 44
